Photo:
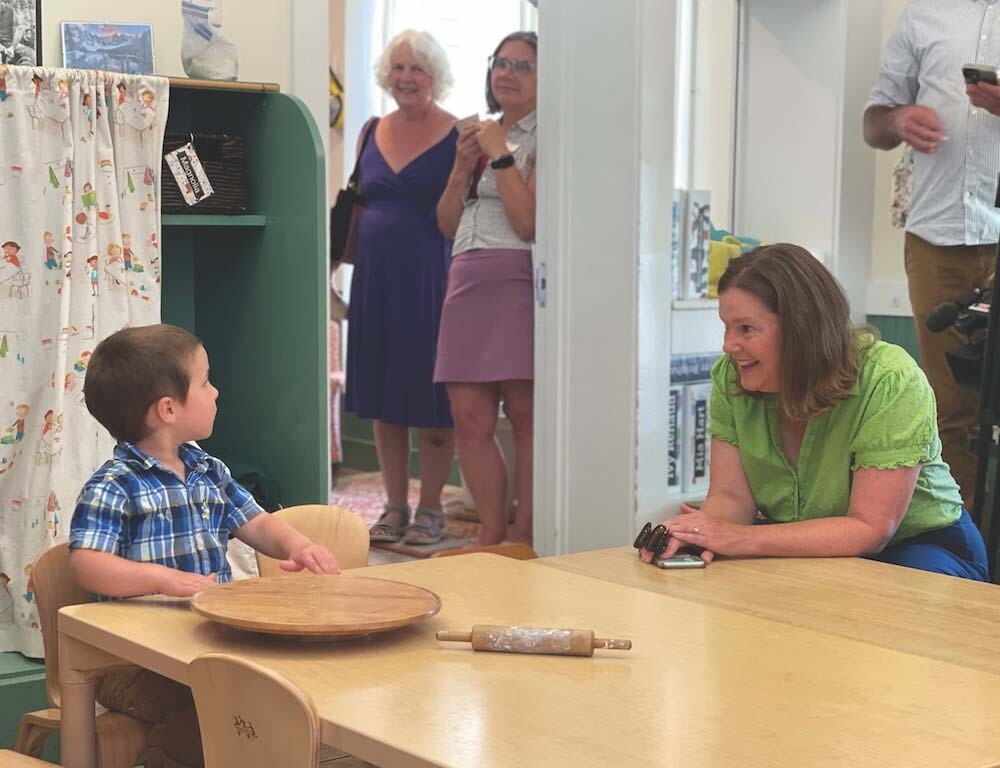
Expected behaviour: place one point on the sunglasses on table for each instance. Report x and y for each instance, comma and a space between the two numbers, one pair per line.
517, 66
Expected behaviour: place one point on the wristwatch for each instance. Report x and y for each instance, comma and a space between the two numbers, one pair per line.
504, 161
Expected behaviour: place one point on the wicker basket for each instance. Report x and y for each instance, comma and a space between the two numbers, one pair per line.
224, 159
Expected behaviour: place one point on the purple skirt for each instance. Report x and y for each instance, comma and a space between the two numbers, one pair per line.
487, 328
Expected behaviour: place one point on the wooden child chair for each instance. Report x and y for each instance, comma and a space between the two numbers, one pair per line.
251, 717
341, 531
120, 739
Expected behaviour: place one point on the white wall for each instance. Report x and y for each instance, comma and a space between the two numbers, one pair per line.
788, 123
309, 49
261, 30
336, 175
713, 104
587, 236
887, 243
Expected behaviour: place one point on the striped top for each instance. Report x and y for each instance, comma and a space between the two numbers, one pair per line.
136, 508
954, 188
484, 223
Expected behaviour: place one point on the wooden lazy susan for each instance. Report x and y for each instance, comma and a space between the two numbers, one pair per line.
316, 606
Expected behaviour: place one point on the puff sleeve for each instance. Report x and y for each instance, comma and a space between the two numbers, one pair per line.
723, 422
898, 423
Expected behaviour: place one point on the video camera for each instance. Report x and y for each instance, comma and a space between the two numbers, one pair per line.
969, 314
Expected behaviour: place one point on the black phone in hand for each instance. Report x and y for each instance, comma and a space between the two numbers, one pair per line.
980, 73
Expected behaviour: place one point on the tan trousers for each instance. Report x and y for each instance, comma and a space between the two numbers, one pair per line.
939, 273
174, 739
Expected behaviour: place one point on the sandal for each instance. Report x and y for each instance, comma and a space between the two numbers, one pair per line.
427, 527
391, 524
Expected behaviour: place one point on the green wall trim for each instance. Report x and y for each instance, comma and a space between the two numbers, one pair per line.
358, 443
359, 455
14, 666
22, 689
898, 330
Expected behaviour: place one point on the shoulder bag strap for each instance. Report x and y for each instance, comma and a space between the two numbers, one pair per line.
355, 179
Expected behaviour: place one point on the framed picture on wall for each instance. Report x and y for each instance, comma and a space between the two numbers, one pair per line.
20, 22
125, 48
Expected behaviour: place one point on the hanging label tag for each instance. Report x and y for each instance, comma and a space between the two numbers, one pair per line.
189, 174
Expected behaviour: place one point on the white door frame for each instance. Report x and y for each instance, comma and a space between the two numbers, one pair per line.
604, 196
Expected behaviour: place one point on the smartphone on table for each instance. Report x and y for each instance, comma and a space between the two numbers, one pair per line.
680, 560
980, 73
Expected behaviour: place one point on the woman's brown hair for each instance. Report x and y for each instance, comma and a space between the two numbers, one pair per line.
820, 346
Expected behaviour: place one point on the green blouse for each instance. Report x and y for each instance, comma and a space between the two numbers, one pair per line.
888, 420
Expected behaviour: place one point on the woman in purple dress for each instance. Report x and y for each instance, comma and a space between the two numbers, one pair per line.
399, 283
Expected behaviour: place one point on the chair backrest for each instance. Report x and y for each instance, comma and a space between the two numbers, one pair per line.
513, 549
54, 587
341, 531
251, 717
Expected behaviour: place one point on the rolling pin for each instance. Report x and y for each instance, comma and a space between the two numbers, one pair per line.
559, 642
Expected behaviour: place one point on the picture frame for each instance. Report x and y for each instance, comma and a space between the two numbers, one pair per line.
20, 31
109, 47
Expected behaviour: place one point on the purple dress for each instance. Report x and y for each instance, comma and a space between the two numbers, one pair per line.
399, 281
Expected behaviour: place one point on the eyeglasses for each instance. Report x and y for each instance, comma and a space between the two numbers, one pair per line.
517, 66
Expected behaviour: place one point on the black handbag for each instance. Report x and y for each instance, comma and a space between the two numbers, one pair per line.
346, 209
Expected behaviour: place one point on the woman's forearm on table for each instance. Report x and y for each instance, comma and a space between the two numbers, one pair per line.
824, 537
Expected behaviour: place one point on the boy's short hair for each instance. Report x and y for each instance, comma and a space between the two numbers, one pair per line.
132, 369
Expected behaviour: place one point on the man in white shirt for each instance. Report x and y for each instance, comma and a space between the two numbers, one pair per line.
952, 228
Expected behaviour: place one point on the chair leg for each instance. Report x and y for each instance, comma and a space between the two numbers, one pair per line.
30, 739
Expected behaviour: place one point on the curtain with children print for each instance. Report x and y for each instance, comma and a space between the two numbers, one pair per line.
79, 228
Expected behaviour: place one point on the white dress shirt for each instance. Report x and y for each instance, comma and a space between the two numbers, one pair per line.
954, 188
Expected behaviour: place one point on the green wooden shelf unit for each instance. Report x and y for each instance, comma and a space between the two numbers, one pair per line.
193, 220
253, 288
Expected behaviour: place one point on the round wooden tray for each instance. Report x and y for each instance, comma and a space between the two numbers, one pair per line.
316, 606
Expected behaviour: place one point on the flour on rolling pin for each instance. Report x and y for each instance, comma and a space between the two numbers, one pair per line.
513, 639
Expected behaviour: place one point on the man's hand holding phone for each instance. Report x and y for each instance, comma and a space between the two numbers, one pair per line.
982, 86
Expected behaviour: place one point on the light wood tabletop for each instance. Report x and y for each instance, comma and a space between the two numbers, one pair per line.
703, 685
927, 614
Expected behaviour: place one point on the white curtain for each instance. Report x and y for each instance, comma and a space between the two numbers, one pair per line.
80, 234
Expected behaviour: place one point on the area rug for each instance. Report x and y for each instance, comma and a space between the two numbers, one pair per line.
362, 493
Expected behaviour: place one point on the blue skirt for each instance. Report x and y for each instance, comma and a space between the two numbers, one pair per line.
957, 550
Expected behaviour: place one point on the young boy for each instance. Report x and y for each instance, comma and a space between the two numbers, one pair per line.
156, 517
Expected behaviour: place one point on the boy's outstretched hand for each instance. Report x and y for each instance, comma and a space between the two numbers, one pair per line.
313, 557
174, 583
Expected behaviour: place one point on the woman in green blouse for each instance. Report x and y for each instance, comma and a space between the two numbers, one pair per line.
822, 428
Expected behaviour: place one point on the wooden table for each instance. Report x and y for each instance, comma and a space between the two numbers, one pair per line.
703, 686
926, 614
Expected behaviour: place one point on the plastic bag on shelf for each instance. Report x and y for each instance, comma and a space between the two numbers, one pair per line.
205, 52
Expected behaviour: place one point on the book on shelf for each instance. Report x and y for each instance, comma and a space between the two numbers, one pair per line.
676, 244
688, 368
696, 452
698, 234
675, 430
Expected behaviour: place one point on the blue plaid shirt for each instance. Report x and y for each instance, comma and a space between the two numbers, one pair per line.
136, 508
